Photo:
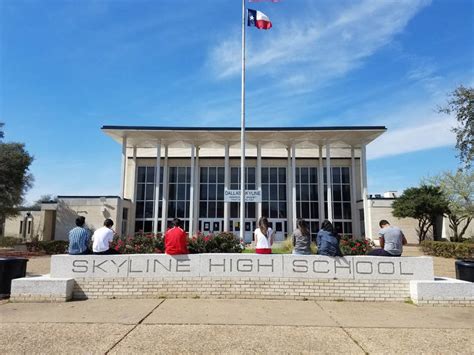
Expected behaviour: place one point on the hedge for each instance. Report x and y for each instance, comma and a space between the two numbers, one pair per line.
448, 249
7, 242
49, 247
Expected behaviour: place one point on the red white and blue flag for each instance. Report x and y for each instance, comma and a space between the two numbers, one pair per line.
258, 19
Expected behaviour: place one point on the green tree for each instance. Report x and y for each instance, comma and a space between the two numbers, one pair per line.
424, 203
43, 198
15, 178
461, 103
458, 189
1, 130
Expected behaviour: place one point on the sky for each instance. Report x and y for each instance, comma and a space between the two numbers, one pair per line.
69, 67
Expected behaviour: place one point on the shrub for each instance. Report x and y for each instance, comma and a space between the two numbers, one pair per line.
215, 243
351, 246
448, 249
7, 242
140, 243
48, 246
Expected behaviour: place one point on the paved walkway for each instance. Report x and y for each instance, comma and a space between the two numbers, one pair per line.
234, 326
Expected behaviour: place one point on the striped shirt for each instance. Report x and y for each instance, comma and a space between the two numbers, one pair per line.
78, 240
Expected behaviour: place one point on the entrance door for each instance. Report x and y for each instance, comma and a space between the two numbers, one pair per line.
280, 228
211, 225
250, 226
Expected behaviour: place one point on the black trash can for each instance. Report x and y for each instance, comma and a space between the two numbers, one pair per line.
465, 270
10, 268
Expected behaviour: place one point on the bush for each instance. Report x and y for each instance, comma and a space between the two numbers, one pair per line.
351, 246
448, 249
49, 247
215, 243
140, 243
7, 242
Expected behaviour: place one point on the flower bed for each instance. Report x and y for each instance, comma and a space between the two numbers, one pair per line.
351, 246
149, 243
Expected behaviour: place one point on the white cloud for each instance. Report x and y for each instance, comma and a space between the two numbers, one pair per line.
311, 51
412, 138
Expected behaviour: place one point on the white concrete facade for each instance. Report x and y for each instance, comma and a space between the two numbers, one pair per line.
288, 152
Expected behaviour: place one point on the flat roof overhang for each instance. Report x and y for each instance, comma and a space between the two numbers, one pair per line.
303, 137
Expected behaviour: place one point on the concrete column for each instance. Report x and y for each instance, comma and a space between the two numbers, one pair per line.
226, 187
124, 166
363, 175
322, 217
157, 187
197, 178
191, 194
259, 178
355, 212
164, 205
293, 184
131, 216
289, 193
329, 181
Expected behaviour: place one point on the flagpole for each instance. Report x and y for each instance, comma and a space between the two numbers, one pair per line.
242, 134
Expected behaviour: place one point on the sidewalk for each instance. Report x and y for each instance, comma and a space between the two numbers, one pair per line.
234, 326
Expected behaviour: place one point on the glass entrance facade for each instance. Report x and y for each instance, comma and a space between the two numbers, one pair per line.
274, 197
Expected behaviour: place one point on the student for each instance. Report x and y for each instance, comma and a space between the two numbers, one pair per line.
328, 241
176, 239
391, 240
263, 235
79, 238
301, 239
102, 238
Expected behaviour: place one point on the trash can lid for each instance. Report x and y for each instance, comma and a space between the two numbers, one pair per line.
12, 258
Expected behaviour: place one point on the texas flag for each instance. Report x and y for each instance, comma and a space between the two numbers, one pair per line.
258, 19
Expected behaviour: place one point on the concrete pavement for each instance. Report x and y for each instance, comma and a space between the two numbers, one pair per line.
234, 326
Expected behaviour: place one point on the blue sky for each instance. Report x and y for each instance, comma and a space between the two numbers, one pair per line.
69, 67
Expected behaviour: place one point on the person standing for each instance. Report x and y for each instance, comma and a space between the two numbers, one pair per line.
263, 235
79, 238
328, 240
391, 240
302, 239
176, 239
102, 237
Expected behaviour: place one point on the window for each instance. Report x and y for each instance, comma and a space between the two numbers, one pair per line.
274, 192
307, 197
179, 194
124, 220
211, 194
250, 209
341, 199
145, 198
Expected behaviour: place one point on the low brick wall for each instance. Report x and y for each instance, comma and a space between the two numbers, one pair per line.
242, 287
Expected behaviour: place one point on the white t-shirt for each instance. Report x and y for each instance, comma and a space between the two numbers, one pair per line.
262, 241
101, 239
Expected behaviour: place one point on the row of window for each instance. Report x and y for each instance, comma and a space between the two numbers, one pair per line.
274, 194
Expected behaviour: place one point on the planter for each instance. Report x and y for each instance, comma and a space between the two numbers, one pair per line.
465, 270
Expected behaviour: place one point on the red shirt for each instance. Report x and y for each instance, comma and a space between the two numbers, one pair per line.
175, 241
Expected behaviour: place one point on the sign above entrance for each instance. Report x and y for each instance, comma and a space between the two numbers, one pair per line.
250, 195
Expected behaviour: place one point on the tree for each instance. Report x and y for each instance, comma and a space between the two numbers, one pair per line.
1, 130
42, 199
424, 203
458, 189
15, 178
461, 103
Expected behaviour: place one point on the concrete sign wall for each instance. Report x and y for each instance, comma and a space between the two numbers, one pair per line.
242, 265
